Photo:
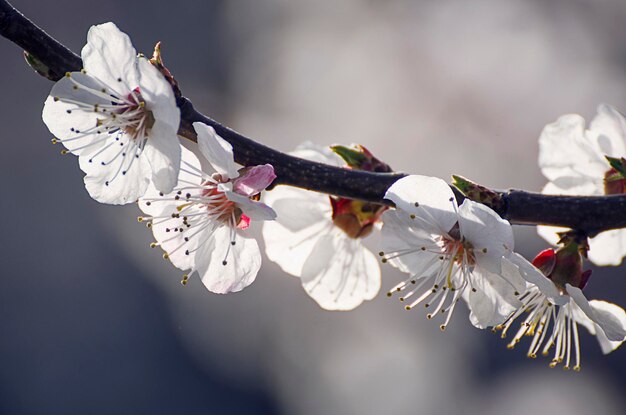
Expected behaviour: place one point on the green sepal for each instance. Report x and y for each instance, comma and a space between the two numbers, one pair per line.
619, 164
353, 158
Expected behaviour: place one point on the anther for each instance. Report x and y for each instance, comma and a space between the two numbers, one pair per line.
165, 255
153, 245
224, 262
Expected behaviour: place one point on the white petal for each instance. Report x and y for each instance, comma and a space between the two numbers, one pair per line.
565, 151
398, 236
429, 198
297, 208
549, 233
252, 209
583, 185
531, 274
110, 57
154, 204
123, 178
490, 235
607, 345
608, 130
320, 154
513, 275
581, 301
302, 217
158, 94
242, 262
216, 150
493, 301
80, 124
180, 246
340, 273
162, 150
611, 318
608, 248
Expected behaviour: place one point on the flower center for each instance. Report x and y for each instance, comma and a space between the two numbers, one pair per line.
220, 207
133, 117
461, 252
356, 218
614, 183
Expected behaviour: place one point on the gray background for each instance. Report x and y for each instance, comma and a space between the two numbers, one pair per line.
93, 321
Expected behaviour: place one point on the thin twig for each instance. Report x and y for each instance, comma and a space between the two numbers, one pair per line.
589, 214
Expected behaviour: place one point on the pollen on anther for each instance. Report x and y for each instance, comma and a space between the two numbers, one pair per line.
381, 253
153, 245
412, 216
389, 294
407, 308
166, 255
384, 260
442, 327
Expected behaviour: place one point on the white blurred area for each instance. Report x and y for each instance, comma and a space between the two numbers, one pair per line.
434, 88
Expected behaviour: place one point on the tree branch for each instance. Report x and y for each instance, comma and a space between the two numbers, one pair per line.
590, 214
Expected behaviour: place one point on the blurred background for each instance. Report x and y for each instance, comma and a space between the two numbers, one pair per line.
94, 321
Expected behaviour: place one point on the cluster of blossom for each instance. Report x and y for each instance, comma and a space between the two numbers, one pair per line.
119, 116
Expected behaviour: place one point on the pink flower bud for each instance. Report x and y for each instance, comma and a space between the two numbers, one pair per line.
254, 179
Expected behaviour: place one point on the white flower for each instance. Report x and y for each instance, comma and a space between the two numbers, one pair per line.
201, 224
336, 269
119, 116
450, 252
573, 160
564, 308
